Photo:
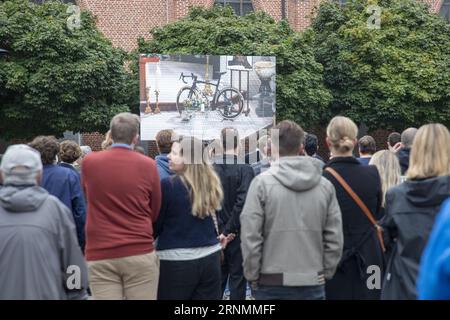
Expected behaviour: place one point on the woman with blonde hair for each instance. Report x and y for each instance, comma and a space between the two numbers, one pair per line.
107, 143
389, 169
411, 209
362, 246
186, 230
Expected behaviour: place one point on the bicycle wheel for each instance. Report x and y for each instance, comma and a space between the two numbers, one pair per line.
229, 103
184, 99
189, 101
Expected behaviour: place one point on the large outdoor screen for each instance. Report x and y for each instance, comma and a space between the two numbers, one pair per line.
199, 95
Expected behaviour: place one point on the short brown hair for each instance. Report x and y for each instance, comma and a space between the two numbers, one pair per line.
69, 151
394, 138
124, 127
47, 146
164, 140
290, 138
367, 144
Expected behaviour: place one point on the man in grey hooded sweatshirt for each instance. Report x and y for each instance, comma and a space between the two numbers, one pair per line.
39, 253
291, 225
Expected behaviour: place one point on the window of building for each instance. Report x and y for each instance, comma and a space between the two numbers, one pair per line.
445, 10
240, 7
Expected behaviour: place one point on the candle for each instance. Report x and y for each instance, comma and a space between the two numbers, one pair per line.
157, 75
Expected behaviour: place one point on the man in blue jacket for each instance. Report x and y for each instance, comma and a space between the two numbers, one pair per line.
63, 183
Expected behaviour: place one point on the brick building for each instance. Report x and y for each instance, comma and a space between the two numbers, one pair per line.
124, 21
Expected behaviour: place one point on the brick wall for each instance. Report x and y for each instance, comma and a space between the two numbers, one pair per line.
124, 21
94, 140
152, 149
435, 4
181, 7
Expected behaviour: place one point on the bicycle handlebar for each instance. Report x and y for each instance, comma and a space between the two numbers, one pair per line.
182, 76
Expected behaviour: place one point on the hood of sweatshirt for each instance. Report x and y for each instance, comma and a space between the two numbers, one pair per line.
22, 199
298, 173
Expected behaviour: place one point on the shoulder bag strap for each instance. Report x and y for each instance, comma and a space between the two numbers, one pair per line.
360, 203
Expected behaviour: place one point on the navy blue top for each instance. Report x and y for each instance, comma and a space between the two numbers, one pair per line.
364, 161
64, 183
176, 227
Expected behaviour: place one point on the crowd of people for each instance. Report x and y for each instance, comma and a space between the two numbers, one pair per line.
197, 222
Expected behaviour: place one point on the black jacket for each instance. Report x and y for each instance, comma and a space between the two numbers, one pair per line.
410, 212
361, 245
235, 180
403, 158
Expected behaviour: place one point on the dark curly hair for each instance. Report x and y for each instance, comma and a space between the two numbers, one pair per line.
47, 146
69, 151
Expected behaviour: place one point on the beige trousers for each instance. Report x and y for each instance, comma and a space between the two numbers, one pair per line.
131, 278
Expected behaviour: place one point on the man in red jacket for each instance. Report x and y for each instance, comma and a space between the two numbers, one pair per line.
124, 197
